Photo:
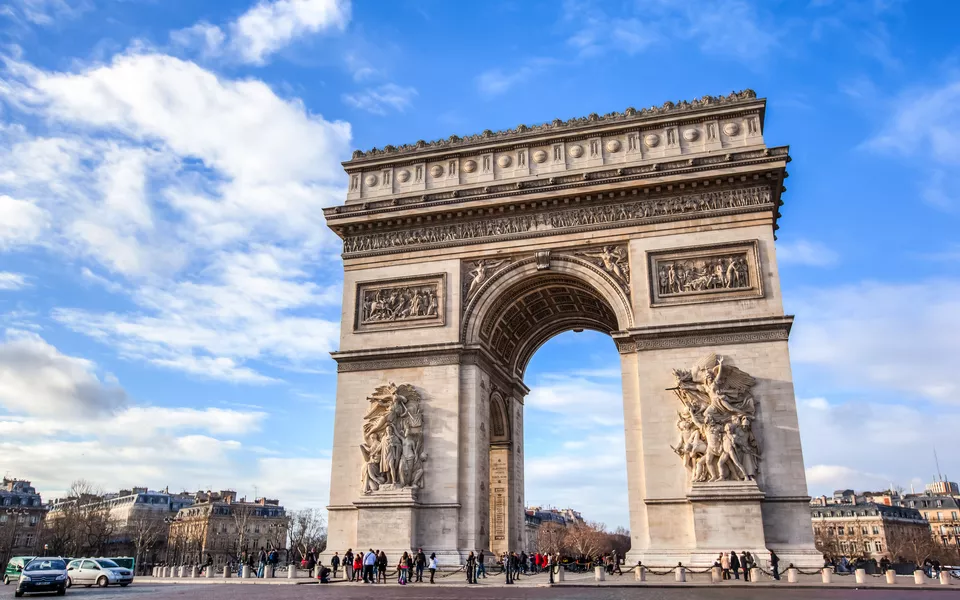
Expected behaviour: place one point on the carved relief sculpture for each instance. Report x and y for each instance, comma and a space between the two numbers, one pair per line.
410, 302
613, 260
476, 273
392, 445
705, 274
716, 441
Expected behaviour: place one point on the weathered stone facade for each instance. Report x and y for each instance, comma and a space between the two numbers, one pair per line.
655, 227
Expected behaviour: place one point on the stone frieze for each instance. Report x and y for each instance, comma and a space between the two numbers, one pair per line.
400, 303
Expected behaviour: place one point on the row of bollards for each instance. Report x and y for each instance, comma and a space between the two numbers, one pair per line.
246, 573
792, 575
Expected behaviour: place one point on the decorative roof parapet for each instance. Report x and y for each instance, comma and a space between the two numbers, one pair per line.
627, 115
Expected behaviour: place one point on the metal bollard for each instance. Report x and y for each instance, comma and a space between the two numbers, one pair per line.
681, 573
599, 574
918, 577
826, 574
891, 576
640, 573
860, 575
755, 575
716, 575
193, 572
292, 572
246, 573
945, 578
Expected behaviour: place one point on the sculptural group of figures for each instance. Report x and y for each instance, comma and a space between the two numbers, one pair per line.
716, 421
701, 274
576, 217
393, 304
392, 445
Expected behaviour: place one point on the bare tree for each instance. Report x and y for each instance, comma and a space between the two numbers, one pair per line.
307, 530
550, 538
242, 515
587, 540
82, 525
145, 531
619, 541
912, 544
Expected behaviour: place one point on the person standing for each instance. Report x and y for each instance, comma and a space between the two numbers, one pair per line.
381, 567
616, 564
745, 565
735, 564
725, 565
471, 568
348, 564
548, 558
369, 562
775, 565
335, 563
433, 566
420, 563
261, 562
402, 568
481, 568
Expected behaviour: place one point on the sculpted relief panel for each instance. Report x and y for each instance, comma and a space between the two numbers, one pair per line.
400, 303
562, 219
716, 440
613, 260
392, 445
706, 274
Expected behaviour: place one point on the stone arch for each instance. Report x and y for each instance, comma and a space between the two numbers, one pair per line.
524, 304
500, 427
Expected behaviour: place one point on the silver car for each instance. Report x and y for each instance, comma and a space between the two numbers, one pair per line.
100, 572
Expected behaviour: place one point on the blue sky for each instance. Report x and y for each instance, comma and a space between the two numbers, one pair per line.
169, 293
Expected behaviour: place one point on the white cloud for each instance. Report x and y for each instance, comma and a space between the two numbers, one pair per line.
200, 198
867, 445
806, 252
266, 28
299, 482
494, 82
381, 99
44, 12
884, 336
12, 281
564, 395
36, 378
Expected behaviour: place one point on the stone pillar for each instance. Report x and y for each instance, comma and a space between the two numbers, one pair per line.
891, 576
182, 571
680, 573
193, 572
292, 572
918, 577
945, 578
755, 575
860, 575
559, 575
208, 572
826, 574
640, 573
716, 575
227, 572
268, 571
246, 572
599, 574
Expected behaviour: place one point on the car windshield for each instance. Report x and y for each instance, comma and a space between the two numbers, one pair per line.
109, 564
46, 565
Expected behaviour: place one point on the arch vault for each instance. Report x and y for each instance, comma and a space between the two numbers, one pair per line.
463, 256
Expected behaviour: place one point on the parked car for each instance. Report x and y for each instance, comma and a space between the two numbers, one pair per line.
43, 574
14, 566
97, 571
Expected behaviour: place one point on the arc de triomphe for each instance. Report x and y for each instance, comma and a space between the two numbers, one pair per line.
464, 255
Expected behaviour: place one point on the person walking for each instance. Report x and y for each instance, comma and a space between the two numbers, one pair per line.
433, 566
381, 567
745, 565
369, 561
420, 563
775, 565
481, 567
735, 564
548, 558
616, 564
402, 568
471, 568
358, 566
725, 565
348, 564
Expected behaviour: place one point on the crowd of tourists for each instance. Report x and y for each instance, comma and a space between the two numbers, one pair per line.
731, 565
371, 566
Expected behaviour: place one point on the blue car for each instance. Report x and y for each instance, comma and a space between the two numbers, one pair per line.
43, 574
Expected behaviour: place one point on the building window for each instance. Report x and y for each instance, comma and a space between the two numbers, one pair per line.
850, 530
839, 530
939, 516
926, 516
953, 515
863, 530
878, 546
876, 530
866, 547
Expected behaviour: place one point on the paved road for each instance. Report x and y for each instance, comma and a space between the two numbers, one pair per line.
356, 592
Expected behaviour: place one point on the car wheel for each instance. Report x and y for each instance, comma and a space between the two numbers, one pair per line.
103, 582
6, 581
62, 591
18, 594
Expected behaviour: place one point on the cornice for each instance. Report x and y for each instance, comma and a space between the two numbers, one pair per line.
629, 116
715, 333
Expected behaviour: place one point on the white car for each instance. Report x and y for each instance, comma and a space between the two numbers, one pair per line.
100, 572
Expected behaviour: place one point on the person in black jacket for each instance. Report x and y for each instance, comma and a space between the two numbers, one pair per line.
471, 568
735, 564
335, 563
381, 567
421, 563
775, 565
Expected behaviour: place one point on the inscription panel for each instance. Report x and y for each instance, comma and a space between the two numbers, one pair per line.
705, 274
400, 303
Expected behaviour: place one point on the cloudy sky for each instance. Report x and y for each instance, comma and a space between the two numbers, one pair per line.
169, 293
